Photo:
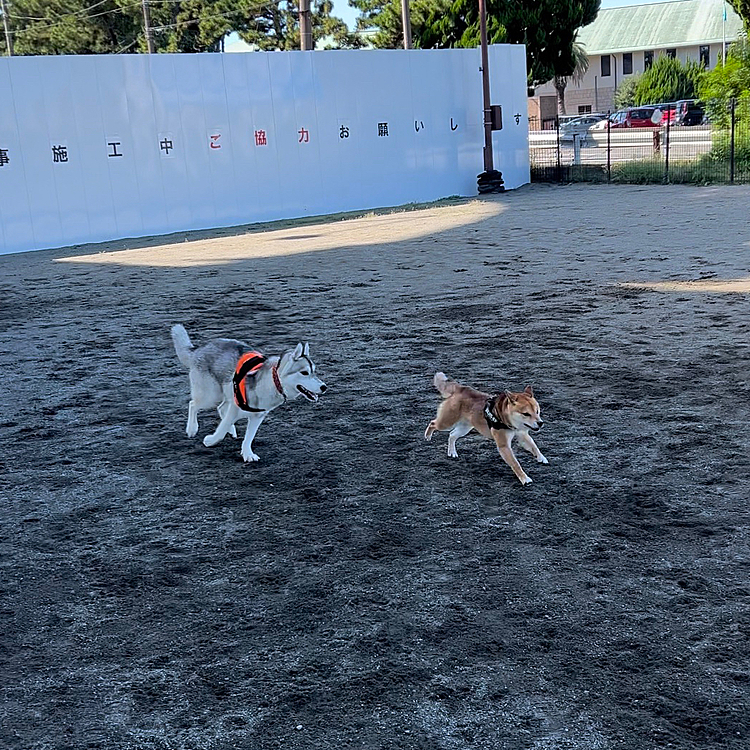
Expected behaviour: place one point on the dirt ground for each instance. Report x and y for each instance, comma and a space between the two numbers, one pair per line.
357, 588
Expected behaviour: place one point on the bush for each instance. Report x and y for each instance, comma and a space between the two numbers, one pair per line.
726, 82
668, 80
721, 148
625, 92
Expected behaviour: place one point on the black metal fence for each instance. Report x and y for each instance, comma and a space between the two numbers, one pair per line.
701, 154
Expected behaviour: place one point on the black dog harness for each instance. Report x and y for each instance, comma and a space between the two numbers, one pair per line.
493, 422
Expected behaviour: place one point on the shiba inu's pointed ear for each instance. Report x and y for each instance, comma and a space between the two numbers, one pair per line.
529, 391
510, 396
297, 353
306, 350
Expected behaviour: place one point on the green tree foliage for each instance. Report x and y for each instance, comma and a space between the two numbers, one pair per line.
668, 80
384, 17
54, 27
276, 27
49, 27
742, 7
625, 92
548, 28
726, 82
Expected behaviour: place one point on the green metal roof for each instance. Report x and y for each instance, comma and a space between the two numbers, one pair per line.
659, 25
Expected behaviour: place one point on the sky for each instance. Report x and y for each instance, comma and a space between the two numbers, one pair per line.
342, 9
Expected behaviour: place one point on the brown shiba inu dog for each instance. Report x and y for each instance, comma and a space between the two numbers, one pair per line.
502, 418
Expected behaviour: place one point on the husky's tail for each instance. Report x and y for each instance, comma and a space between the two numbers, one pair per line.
446, 386
182, 345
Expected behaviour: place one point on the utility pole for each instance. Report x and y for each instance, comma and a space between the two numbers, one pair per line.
406, 21
147, 28
490, 181
6, 24
488, 164
305, 26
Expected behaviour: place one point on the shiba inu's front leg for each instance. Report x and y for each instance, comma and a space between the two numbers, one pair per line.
226, 425
253, 422
528, 443
503, 439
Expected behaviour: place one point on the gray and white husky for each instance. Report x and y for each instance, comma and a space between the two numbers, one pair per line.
272, 383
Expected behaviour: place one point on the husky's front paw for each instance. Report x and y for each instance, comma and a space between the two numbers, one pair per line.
233, 431
192, 430
541, 459
249, 456
525, 479
210, 440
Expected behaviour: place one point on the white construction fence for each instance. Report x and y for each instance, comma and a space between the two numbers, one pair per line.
94, 148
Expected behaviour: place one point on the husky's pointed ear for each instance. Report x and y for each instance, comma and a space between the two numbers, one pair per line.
510, 396
529, 391
306, 350
297, 353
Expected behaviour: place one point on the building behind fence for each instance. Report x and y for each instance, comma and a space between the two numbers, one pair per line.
699, 154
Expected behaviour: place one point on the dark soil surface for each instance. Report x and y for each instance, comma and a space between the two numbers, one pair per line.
357, 588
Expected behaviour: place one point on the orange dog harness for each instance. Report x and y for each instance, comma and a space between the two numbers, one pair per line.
249, 364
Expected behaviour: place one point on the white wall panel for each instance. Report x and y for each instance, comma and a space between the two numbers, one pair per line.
508, 88
98, 205
28, 98
217, 142
67, 173
162, 143
263, 139
17, 229
144, 131
114, 145
240, 180
182, 161
338, 123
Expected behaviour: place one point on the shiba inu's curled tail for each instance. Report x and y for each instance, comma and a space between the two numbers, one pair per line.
182, 345
444, 384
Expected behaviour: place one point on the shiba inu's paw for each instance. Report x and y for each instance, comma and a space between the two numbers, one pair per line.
210, 440
541, 459
233, 432
452, 453
525, 479
250, 456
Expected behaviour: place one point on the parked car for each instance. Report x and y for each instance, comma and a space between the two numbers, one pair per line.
633, 117
688, 112
642, 117
668, 111
607, 121
580, 125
